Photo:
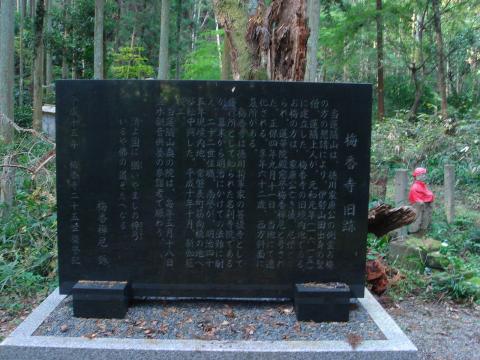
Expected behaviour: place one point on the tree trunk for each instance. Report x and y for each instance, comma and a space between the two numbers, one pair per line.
380, 82
48, 54
277, 39
382, 219
418, 93
20, 52
163, 52
7, 183
7, 17
66, 4
219, 46
38, 65
312, 44
441, 80
178, 39
233, 17
417, 68
226, 61
98, 70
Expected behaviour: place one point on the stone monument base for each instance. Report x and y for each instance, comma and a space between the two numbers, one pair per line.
380, 337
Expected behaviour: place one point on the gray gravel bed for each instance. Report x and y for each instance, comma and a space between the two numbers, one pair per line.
209, 321
441, 331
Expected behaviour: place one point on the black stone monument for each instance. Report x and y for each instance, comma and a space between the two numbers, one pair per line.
211, 189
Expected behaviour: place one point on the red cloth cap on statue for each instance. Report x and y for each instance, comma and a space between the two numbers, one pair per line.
419, 171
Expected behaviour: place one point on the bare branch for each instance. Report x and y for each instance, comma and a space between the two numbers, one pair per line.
30, 131
16, 167
44, 161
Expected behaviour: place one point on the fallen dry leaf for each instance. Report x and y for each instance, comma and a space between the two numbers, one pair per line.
297, 327
286, 310
163, 329
250, 329
354, 340
228, 312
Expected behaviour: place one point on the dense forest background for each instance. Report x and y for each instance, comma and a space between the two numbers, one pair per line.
417, 52
423, 57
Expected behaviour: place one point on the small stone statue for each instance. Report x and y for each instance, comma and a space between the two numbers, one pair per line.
421, 199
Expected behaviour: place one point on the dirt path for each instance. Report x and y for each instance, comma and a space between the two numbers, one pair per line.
441, 331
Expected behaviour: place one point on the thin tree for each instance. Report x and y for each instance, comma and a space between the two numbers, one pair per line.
48, 52
313, 10
23, 5
178, 38
38, 25
98, 40
380, 80
441, 81
65, 5
417, 66
7, 16
163, 52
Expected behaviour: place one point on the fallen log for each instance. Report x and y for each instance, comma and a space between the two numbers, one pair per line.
383, 218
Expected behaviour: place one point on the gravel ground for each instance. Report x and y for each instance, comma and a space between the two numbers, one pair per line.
441, 331
210, 321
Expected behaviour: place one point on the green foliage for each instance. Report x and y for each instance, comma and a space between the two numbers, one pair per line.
397, 142
461, 241
410, 282
128, 63
460, 281
203, 63
377, 247
72, 34
23, 116
461, 246
460, 237
28, 233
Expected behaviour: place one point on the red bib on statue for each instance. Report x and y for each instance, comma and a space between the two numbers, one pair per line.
420, 193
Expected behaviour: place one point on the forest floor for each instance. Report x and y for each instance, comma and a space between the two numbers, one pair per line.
440, 330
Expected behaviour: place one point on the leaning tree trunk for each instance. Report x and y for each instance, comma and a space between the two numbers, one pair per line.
98, 40
7, 17
163, 52
312, 45
232, 15
38, 65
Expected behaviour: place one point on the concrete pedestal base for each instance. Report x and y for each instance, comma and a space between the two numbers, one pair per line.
23, 345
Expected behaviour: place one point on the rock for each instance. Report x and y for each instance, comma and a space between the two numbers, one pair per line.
406, 254
430, 245
436, 260
412, 252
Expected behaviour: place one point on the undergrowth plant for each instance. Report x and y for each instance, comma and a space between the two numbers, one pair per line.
28, 231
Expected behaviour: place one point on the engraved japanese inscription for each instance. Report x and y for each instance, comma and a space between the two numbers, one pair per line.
212, 188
